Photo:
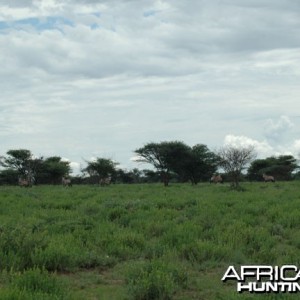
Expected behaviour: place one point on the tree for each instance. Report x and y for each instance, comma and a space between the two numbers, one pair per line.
18, 160
9, 176
164, 156
53, 169
124, 176
150, 176
257, 168
23, 163
234, 160
199, 164
131, 176
176, 158
101, 168
280, 167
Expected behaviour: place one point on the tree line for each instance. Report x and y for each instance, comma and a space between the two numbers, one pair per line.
172, 161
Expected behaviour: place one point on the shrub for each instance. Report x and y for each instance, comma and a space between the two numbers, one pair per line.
155, 280
204, 252
17, 245
34, 284
61, 254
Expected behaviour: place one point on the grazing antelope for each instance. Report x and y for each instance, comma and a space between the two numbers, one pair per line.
66, 182
24, 182
105, 181
216, 179
268, 178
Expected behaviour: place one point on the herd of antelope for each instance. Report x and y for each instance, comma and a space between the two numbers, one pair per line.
66, 182
104, 181
218, 178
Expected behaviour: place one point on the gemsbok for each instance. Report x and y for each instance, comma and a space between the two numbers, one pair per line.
268, 178
105, 181
24, 182
66, 182
216, 179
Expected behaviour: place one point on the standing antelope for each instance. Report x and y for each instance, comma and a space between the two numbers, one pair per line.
24, 182
66, 182
268, 178
216, 179
105, 181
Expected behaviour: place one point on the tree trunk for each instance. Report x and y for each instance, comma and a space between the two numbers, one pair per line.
165, 178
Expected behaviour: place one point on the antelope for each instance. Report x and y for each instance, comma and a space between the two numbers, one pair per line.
24, 182
268, 178
105, 181
66, 182
216, 179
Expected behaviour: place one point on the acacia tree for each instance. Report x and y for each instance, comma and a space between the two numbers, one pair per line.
164, 156
101, 168
234, 160
53, 169
189, 163
281, 167
199, 164
35, 169
18, 160
22, 162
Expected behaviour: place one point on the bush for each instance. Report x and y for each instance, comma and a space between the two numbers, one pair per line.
155, 280
61, 254
33, 284
16, 246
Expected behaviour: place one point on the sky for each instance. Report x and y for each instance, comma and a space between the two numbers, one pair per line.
85, 79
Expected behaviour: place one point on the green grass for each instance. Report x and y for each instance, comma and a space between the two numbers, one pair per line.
143, 241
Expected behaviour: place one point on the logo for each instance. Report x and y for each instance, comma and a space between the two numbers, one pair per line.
264, 279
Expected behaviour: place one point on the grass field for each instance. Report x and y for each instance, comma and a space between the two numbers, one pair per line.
143, 241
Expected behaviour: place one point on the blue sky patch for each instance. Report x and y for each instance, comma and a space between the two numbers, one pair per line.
94, 26
149, 13
97, 14
39, 24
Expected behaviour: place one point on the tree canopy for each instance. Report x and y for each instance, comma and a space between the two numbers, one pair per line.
189, 163
18, 160
280, 167
101, 168
52, 169
21, 163
234, 160
200, 163
164, 156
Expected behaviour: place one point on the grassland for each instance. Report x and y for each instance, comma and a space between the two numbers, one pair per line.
143, 241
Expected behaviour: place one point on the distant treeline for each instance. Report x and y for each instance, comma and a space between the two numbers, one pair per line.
172, 161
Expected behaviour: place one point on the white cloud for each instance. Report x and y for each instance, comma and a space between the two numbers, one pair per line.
274, 130
296, 148
76, 167
263, 149
114, 75
135, 158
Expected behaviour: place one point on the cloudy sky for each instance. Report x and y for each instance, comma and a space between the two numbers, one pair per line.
83, 79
